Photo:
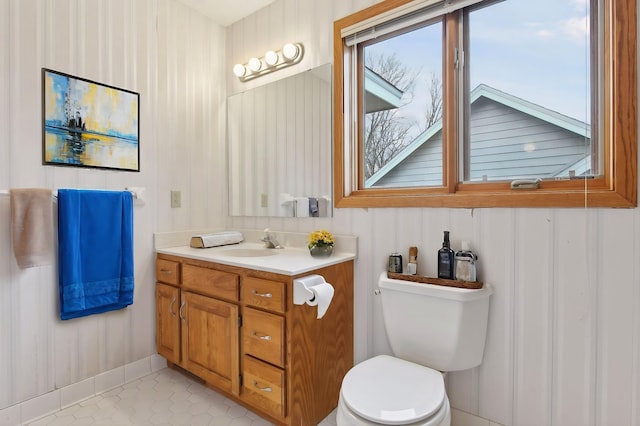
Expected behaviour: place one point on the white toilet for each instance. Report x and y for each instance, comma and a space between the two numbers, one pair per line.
431, 329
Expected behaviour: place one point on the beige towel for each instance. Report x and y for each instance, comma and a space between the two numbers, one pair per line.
32, 226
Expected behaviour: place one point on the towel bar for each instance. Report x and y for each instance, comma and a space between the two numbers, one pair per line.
134, 193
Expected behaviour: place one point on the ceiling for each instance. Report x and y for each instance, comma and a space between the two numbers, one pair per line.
226, 12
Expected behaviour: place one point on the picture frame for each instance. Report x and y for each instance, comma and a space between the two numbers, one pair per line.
89, 124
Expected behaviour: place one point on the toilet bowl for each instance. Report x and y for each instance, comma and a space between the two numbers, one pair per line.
385, 390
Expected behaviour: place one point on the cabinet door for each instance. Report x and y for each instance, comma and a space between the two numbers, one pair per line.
168, 322
210, 340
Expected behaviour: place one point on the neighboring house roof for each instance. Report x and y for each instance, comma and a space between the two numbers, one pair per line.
380, 95
553, 117
479, 98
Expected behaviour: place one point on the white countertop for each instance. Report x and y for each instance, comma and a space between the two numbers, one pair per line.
286, 261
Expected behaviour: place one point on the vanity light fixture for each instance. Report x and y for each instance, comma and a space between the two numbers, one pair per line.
271, 58
255, 64
239, 70
291, 53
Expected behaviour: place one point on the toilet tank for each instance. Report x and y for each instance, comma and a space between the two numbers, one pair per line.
441, 327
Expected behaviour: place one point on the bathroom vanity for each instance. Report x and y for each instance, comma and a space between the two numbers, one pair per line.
230, 320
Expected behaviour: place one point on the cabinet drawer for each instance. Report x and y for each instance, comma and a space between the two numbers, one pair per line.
263, 386
263, 336
168, 271
210, 282
264, 294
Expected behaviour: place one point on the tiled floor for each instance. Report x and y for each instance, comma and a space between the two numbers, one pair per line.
166, 397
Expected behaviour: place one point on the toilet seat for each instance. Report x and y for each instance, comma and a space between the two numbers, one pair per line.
393, 391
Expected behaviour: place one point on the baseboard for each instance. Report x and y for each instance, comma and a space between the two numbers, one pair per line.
462, 418
51, 402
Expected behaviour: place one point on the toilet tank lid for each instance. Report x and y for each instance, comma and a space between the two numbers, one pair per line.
432, 290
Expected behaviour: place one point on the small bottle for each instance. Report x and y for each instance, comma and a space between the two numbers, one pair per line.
395, 263
412, 266
446, 259
466, 263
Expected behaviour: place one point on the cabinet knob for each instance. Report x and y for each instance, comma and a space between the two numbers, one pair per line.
263, 389
260, 336
166, 271
268, 295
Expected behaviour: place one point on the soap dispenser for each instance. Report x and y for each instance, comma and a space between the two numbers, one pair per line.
446, 259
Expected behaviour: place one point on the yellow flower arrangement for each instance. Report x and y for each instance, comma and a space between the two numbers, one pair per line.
321, 238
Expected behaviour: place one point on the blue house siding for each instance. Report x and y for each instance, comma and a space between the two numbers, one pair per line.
507, 142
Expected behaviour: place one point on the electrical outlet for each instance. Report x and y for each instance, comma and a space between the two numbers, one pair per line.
176, 199
264, 200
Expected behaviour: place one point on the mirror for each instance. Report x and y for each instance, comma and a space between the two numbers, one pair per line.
280, 147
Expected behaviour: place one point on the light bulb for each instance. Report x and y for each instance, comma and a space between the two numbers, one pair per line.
255, 64
290, 51
239, 70
271, 58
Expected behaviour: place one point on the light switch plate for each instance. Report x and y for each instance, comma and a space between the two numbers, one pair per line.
176, 199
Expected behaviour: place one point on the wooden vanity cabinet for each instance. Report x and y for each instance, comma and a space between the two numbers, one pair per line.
239, 331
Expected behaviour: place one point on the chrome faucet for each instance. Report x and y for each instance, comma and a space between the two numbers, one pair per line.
270, 241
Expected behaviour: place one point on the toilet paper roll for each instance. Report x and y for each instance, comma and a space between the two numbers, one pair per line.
322, 295
313, 290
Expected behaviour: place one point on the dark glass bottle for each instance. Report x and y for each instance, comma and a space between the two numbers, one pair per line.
446, 258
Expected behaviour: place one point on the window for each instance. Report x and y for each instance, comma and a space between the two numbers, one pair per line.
451, 103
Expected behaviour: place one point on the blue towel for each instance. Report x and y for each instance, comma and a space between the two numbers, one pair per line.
95, 251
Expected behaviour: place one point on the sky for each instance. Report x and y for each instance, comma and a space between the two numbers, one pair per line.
533, 49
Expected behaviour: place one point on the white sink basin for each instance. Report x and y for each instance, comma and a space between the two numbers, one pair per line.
249, 252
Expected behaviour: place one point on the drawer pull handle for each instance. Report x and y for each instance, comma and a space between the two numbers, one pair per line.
173, 314
180, 311
263, 389
166, 271
268, 295
261, 337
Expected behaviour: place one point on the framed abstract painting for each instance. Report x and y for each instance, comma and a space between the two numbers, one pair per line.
89, 124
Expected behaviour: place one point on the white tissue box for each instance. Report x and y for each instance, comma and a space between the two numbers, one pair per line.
216, 239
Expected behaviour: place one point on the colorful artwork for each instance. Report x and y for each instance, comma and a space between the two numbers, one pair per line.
88, 124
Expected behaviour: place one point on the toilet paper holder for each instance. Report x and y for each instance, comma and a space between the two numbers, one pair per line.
301, 291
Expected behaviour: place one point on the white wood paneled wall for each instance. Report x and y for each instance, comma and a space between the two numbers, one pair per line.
174, 58
563, 345
564, 334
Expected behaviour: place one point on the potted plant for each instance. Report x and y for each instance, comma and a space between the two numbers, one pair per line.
321, 243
